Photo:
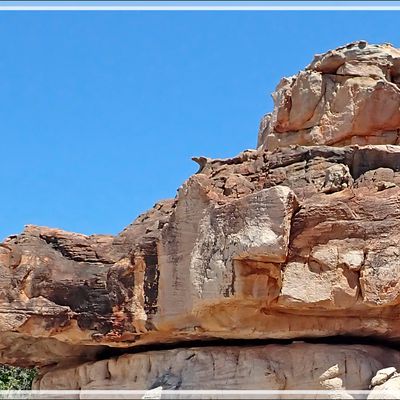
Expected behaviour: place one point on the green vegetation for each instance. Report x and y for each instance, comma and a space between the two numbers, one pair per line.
14, 378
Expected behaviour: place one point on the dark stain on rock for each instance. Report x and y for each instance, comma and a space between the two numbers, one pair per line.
60, 320
120, 284
89, 321
151, 277
92, 298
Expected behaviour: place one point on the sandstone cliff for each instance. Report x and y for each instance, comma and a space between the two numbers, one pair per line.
296, 240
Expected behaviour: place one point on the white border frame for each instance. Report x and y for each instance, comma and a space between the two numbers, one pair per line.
158, 393
197, 6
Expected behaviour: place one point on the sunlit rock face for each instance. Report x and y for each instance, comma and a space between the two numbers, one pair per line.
280, 243
350, 95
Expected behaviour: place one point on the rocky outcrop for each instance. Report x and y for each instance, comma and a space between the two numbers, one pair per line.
350, 95
279, 243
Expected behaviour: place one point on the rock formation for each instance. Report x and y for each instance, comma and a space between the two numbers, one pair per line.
346, 96
297, 240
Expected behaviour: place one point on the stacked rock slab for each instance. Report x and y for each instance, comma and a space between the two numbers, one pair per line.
297, 240
345, 96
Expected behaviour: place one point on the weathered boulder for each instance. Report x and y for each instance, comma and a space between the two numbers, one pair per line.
385, 384
382, 376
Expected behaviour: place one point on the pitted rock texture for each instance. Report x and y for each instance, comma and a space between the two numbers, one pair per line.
282, 242
350, 95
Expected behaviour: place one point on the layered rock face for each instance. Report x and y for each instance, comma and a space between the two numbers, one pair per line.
271, 367
296, 240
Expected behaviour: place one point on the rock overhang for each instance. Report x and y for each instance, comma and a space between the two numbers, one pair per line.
296, 239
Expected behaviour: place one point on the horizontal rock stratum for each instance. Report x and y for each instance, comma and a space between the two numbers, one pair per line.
296, 240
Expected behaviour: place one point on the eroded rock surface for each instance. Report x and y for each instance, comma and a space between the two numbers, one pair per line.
282, 242
271, 367
350, 95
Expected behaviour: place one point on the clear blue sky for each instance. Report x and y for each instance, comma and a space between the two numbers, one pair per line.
100, 112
